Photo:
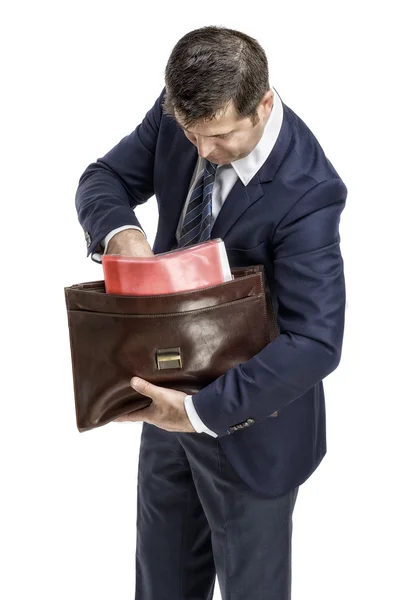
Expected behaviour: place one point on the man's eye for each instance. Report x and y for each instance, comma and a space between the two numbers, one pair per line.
223, 137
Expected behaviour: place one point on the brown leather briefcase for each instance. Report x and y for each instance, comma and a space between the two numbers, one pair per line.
181, 341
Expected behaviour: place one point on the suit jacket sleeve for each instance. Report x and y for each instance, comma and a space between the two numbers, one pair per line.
309, 278
115, 184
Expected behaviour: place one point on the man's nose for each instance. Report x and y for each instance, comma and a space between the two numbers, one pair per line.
204, 147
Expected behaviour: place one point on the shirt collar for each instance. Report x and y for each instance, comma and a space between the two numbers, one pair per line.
248, 166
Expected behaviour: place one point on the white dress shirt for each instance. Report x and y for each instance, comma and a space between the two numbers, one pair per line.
225, 178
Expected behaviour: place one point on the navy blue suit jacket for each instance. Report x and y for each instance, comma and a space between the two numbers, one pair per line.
286, 218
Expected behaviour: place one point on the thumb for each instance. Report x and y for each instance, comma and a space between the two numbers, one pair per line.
144, 387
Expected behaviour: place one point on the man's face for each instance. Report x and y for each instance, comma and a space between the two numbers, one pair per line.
227, 138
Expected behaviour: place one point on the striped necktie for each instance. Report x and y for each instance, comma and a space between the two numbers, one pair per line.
196, 226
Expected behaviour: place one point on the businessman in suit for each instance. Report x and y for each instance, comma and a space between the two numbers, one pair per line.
219, 471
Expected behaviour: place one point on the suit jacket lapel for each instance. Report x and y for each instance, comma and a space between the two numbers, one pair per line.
238, 200
181, 165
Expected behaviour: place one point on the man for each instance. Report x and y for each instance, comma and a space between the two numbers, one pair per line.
219, 472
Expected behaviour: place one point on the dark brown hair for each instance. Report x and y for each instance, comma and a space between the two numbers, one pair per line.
210, 66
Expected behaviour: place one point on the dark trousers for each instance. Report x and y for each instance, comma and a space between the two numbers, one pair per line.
197, 519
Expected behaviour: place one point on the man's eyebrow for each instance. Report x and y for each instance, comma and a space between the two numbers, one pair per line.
216, 135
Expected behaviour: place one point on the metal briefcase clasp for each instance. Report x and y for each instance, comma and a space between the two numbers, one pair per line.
169, 358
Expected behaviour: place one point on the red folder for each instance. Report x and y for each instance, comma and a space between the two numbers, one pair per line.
194, 267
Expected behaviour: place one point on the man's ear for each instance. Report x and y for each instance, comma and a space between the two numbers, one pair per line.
266, 104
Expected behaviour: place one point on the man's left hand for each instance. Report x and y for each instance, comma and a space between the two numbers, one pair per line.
167, 410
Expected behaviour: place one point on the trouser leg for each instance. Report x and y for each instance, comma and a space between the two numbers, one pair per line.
251, 534
174, 558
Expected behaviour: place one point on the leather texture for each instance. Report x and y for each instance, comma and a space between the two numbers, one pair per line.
114, 337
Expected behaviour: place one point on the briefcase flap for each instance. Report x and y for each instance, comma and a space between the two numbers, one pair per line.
92, 296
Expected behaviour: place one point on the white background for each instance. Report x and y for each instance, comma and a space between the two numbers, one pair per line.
76, 78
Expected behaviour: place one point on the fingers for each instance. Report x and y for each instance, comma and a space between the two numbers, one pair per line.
145, 387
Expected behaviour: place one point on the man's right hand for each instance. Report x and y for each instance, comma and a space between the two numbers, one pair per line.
129, 242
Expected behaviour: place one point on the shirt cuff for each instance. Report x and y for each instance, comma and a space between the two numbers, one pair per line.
194, 418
